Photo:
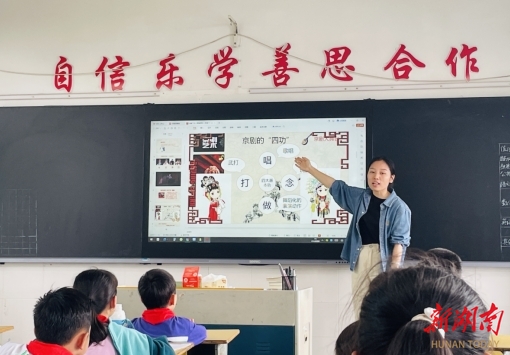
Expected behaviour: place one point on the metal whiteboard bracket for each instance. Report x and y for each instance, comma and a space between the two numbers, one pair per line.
233, 29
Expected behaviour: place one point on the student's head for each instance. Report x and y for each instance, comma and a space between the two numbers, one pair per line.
381, 174
157, 289
396, 296
101, 287
448, 259
346, 341
63, 317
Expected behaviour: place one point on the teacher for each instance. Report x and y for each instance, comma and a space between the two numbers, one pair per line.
380, 230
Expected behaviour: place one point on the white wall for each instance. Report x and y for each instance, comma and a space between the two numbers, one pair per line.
33, 34
21, 285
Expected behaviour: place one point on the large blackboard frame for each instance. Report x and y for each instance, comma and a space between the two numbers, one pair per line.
446, 152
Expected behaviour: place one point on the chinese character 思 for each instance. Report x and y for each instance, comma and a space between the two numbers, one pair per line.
335, 60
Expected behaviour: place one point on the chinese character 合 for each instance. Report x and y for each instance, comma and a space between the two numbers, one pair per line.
223, 62
281, 66
335, 60
399, 63
116, 77
166, 74
465, 53
489, 317
63, 75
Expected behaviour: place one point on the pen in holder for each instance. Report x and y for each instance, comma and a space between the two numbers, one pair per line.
289, 280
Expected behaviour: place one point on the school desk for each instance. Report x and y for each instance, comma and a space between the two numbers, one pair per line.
216, 342
501, 342
277, 322
181, 349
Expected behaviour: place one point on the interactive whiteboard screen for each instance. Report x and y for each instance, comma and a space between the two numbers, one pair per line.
236, 182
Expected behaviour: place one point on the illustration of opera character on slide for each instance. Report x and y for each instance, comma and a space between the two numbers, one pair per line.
213, 194
321, 198
251, 178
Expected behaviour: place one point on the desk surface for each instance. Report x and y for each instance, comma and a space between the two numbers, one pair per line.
501, 342
180, 348
220, 336
4, 328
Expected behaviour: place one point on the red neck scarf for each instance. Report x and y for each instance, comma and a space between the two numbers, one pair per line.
157, 315
36, 347
102, 319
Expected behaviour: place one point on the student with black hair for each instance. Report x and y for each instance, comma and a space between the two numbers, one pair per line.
61, 325
110, 338
407, 311
448, 259
381, 225
346, 342
157, 290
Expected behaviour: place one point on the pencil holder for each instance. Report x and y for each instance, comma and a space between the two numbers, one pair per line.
289, 283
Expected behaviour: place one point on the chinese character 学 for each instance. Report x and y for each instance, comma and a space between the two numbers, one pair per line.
223, 62
281, 66
400, 61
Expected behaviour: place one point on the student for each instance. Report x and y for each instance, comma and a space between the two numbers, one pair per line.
448, 259
346, 341
110, 338
157, 291
380, 229
397, 310
61, 325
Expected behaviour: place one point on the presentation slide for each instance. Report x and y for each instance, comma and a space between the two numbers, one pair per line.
236, 181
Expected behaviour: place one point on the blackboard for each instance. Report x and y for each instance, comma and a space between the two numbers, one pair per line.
71, 181
71, 178
447, 153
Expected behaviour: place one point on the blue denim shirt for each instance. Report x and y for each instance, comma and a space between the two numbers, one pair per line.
394, 223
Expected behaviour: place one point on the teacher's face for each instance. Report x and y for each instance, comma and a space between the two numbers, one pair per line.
379, 176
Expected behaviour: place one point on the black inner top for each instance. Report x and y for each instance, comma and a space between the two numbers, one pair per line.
369, 223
